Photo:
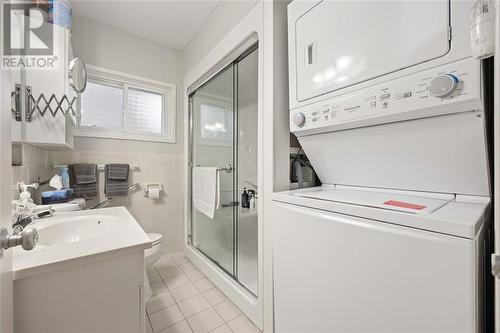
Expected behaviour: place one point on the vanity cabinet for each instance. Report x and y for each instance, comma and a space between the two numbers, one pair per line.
47, 87
86, 274
106, 295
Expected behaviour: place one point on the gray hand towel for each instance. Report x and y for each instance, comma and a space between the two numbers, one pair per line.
116, 180
83, 180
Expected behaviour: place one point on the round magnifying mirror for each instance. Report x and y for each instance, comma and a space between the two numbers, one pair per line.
77, 75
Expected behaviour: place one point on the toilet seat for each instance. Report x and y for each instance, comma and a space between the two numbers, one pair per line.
153, 254
150, 257
155, 238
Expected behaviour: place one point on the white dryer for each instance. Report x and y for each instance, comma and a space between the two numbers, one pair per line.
394, 239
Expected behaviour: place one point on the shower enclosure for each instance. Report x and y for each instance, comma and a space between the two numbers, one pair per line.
223, 134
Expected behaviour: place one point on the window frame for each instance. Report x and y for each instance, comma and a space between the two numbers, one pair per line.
113, 78
216, 101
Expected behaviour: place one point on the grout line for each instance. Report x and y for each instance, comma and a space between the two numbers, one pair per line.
149, 322
192, 330
164, 328
176, 303
225, 323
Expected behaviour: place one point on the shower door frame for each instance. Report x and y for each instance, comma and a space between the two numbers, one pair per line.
236, 56
233, 166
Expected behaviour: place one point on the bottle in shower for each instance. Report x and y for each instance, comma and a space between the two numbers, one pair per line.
245, 200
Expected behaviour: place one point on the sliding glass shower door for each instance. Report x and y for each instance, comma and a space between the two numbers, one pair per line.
223, 134
213, 146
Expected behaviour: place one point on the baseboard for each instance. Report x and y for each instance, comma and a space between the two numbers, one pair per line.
173, 255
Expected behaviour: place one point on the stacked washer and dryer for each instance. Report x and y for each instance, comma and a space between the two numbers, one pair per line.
388, 104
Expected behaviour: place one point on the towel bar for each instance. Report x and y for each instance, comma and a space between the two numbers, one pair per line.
228, 169
100, 167
131, 188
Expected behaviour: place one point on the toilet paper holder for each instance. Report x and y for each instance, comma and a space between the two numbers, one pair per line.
152, 186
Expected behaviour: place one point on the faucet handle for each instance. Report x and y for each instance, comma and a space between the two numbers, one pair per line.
24, 187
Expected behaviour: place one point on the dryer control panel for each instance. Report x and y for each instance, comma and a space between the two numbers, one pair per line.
447, 89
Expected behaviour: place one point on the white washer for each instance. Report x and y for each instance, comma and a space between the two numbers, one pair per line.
394, 239
350, 259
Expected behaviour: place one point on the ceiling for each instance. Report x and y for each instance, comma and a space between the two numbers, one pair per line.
167, 22
222, 85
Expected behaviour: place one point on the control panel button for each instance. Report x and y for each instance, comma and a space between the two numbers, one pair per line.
443, 85
299, 119
385, 96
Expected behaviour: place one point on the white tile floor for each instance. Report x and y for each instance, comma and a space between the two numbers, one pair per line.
185, 301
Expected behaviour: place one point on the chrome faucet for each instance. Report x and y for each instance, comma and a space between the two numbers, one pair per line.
23, 221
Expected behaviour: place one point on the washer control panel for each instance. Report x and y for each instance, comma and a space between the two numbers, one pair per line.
433, 89
443, 85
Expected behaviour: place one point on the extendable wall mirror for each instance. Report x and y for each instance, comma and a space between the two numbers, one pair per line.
77, 75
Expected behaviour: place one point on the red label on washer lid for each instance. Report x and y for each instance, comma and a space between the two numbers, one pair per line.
404, 204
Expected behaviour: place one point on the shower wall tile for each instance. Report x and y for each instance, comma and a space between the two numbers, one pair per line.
164, 215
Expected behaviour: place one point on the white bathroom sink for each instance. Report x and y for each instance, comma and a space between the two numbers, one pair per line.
76, 229
75, 237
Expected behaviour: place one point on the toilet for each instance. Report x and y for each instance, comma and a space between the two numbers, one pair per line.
150, 257
153, 254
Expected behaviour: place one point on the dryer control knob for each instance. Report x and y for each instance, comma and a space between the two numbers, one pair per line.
443, 85
299, 119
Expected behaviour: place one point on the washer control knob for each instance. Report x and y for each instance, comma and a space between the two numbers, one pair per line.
299, 119
443, 85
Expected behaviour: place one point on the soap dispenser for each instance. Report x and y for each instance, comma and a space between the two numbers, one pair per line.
25, 205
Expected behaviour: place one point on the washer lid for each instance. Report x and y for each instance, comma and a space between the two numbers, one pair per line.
460, 216
412, 204
155, 238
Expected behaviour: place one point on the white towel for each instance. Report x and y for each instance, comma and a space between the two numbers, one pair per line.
206, 190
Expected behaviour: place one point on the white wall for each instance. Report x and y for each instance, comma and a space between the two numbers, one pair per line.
276, 130
224, 17
273, 133
29, 163
107, 47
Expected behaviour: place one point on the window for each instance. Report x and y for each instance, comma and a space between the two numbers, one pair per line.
213, 122
121, 106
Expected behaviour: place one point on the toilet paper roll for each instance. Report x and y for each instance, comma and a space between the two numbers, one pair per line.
154, 193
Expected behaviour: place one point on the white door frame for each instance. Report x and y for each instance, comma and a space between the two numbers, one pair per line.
496, 153
6, 297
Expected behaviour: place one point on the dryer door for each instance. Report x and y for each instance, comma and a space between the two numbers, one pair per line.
341, 43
